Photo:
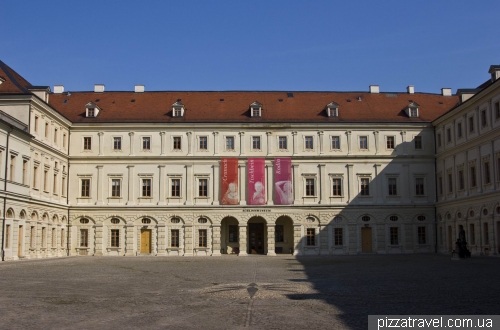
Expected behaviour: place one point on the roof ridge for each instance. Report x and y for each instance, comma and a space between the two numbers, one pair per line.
11, 74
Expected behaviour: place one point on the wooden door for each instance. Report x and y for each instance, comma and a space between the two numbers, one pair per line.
256, 239
366, 240
20, 242
145, 240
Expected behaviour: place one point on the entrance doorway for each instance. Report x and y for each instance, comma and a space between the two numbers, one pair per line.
145, 241
366, 240
256, 238
20, 242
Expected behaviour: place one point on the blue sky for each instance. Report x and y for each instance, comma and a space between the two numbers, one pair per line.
251, 45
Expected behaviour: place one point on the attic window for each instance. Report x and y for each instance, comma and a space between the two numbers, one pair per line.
256, 109
178, 109
289, 94
412, 110
91, 110
332, 109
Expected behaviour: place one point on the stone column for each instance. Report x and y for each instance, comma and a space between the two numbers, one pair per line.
98, 240
350, 182
188, 240
189, 138
296, 184
323, 184
269, 185
129, 240
375, 133
243, 183
320, 138
100, 134
189, 185
99, 185
242, 239
348, 133
161, 169
242, 143
131, 134
294, 139
216, 240
270, 240
130, 185
162, 143
216, 184
297, 239
216, 143
269, 136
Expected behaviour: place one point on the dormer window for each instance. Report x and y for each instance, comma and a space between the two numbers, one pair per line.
256, 109
412, 110
332, 109
178, 109
92, 110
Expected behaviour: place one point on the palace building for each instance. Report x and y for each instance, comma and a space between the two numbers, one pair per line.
172, 173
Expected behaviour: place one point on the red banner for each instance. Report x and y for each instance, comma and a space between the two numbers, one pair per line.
256, 182
229, 181
283, 187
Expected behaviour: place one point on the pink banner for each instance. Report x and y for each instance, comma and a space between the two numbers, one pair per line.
283, 188
229, 181
256, 183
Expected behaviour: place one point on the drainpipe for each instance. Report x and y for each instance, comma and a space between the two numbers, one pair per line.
67, 196
5, 192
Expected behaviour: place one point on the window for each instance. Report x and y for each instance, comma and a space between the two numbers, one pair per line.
146, 221
279, 233
390, 142
63, 186
497, 110
32, 237
393, 186
91, 112
12, 168
55, 135
177, 112
46, 180
483, 118
471, 124
459, 130
448, 135
177, 143
116, 187
233, 233
310, 237
338, 235
363, 142
256, 142
255, 112
7, 236
203, 143
333, 112
53, 241
87, 143
46, 130
35, 176
419, 186
174, 238
282, 143
337, 187
203, 188
64, 140
421, 235
25, 172
365, 187
63, 238
472, 235
146, 187
487, 176
176, 188
229, 142
309, 143
393, 218
117, 143
146, 143
85, 188
115, 238
450, 183
486, 234
54, 186
202, 238
413, 112
36, 124
439, 139
44, 237
461, 182
310, 187
365, 218
473, 181
418, 142
394, 235
336, 142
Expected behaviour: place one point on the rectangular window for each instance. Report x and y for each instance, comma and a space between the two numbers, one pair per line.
440, 185
461, 183
450, 183
65, 142
203, 188
55, 135
35, 176
486, 234
393, 186
53, 241
85, 188
32, 237
363, 142
309, 143
174, 238
46, 130
459, 130
87, 143
36, 124
472, 235
177, 112
146, 143
336, 142
256, 142
483, 118
203, 143
46, 181
497, 110
7, 236
63, 186
146, 187
117, 143
413, 112
311, 237
279, 233
439, 139
229, 142
202, 238
255, 112
336, 187
54, 186
365, 187
418, 142
63, 238
176, 188
116, 187
471, 124
390, 142
487, 175
419, 186
338, 234
473, 181
448, 135
12, 168
394, 235
91, 112
233, 233
25, 172
177, 143
282, 143
421, 235
310, 187
44, 237
115, 238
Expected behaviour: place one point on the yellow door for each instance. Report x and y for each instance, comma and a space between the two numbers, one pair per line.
145, 241
366, 239
20, 242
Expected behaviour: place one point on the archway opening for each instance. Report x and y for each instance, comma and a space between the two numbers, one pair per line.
283, 236
257, 236
229, 236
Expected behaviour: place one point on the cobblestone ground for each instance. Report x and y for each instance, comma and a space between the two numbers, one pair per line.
254, 292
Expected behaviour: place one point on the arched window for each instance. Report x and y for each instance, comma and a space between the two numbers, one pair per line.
421, 218
365, 218
310, 219
115, 221
471, 213
202, 220
9, 214
337, 219
175, 220
393, 218
146, 221
485, 211
84, 221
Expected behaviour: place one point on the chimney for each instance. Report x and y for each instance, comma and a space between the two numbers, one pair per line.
58, 89
99, 88
495, 72
139, 88
446, 91
374, 89
410, 89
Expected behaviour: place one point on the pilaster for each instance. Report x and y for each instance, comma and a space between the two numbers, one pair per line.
242, 239
216, 183
270, 240
100, 134
269, 178
323, 184
188, 240
99, 185
242, 143
296, 191
243, 186
189, 185
216, 240
130, 185
131, 135
161, 169
297, 239
269, 136
98, 229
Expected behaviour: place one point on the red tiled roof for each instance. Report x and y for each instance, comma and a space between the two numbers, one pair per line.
208, 107
14, 83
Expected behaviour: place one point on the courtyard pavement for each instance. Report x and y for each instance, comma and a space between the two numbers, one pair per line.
229, 292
